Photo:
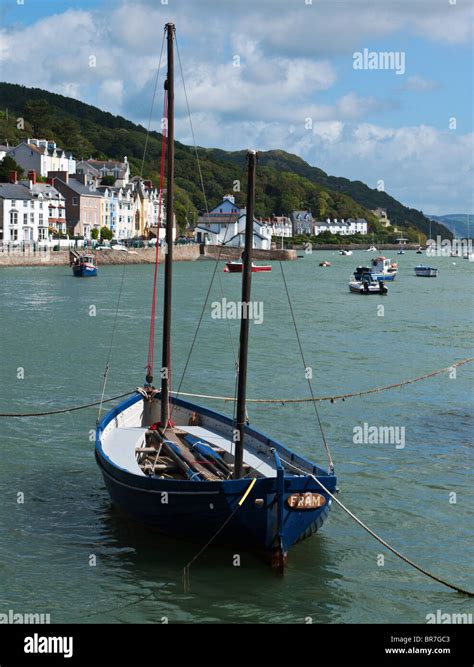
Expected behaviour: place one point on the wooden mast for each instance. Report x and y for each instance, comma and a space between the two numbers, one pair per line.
166, 351
244, 322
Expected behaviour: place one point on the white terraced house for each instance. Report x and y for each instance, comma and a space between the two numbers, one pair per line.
43, 156
23, 217
342, 227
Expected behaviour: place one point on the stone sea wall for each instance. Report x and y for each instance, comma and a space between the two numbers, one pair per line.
181, 253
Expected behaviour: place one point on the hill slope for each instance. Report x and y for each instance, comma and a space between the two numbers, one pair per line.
285, 182
457, 223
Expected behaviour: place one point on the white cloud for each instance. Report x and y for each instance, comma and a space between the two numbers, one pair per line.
418, 84
285, 50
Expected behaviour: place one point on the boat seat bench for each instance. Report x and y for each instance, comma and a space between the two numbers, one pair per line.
221, 442
125, 441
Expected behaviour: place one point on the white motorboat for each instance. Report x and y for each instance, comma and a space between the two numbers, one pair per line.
425, 271
367, 286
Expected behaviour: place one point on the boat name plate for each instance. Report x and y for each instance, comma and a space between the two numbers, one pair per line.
305, 501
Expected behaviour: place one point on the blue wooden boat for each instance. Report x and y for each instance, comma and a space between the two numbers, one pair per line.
190, 472
84, 266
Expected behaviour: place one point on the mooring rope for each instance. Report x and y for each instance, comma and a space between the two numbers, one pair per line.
337, 397
386, 544
283, 401
201, 551
305, 366
62, 410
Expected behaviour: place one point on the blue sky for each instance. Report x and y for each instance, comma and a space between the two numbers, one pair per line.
296, 62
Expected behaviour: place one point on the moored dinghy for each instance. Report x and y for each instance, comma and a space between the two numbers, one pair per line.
191, 472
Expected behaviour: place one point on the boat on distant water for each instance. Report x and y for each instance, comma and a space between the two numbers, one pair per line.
401, 252
345, 252
372, 248
367, 285
381, 269
425, 271
236, 267
324, 263
191, 472
83, 266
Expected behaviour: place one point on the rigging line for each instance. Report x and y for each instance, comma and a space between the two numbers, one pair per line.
219, 530
193, 342
152, 105
326, 446
151, 339
107, 366
62, 410
388, 546
203, 189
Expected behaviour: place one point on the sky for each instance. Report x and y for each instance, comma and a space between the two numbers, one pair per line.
277, 74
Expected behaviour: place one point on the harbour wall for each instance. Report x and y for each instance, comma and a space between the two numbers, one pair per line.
228, 253
181, 253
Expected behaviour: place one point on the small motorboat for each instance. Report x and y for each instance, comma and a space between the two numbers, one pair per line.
325, 263
368, 286
236, 267
372, 249
425, 271
419, 251
382, 269
345, 252
401, 252
83, 266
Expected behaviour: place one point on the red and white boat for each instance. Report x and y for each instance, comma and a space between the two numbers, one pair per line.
236, 267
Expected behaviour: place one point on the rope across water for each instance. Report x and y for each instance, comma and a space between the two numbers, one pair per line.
282, 401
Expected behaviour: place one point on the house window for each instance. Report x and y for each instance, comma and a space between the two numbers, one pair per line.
40, 218
25, 203
75, 201
13, 217
42, 231
13, 203
14, 234
25, 218
41, 204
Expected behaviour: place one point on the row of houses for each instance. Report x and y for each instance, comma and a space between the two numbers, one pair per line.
91, 194
225, 225
33, 212
304, 223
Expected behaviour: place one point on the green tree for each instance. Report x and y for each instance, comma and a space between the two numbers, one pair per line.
8, 165
38, 113
95, 234
106, 234
107, 180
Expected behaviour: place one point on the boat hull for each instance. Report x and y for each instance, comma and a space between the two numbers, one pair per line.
233, 267
84, 271
197, 510
426, 272
358, 288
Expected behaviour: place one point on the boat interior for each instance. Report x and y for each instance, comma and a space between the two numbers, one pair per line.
199, 447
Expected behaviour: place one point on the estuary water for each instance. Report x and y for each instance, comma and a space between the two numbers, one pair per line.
65, 551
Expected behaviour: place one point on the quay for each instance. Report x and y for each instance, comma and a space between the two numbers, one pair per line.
29, 256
